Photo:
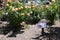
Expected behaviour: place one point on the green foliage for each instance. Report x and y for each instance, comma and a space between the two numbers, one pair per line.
18, 12
1, 14
27, 26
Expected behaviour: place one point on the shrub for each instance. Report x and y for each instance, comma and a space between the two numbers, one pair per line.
17, 12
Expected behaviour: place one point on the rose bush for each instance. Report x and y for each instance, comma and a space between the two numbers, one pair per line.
19, 12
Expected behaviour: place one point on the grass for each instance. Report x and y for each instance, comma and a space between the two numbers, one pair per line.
27, 26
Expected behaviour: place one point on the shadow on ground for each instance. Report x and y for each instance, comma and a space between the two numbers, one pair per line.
53, 34
8, 29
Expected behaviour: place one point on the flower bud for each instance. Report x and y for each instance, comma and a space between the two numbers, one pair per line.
22, 14
7, 4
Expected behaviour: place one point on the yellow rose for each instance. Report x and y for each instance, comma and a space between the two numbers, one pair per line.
53, 0
13, 9
31, 12
29, 6
23, 23
25, 6
8, 0
16, 9
10, 6
47, 6
22, 14
7, 4
21, 7
28, 14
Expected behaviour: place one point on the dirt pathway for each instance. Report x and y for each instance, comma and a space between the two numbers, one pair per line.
27, 35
